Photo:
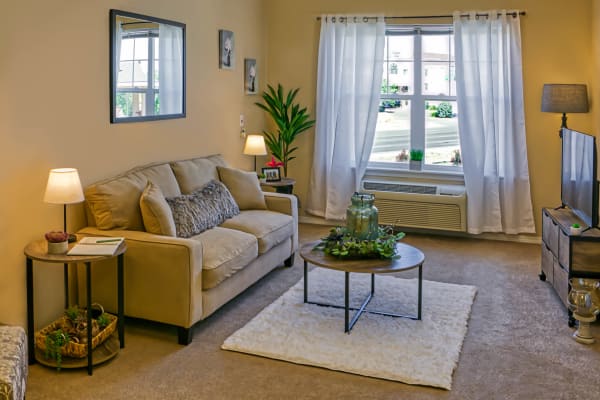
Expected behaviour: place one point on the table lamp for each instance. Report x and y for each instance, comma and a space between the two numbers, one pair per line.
564, 98
255, 146
64, 187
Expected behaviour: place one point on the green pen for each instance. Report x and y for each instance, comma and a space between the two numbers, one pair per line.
107, 240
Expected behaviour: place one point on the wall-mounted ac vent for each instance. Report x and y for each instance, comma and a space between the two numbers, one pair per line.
414, 205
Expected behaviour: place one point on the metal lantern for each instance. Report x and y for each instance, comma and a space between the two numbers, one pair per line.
362, 217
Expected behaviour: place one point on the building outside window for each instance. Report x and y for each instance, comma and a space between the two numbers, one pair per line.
418, 107
137, 84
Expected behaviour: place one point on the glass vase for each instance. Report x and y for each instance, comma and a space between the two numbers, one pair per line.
362, 217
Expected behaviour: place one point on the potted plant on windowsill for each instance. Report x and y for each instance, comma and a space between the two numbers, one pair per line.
416, 159
290, 120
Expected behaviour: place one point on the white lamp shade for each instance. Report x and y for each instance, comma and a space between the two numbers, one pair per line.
63, 187
255, 145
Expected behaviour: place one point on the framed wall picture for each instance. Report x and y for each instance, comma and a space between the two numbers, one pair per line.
226, 49
272, 174
250, 76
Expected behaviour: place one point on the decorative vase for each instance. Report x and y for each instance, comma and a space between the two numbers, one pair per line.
362, 217
58, 247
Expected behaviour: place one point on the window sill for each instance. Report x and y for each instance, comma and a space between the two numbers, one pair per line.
425, 175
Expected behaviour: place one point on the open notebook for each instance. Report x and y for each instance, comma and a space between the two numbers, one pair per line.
96, 246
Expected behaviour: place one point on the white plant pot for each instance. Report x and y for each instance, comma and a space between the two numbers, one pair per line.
576, 231
415, 165
58, 248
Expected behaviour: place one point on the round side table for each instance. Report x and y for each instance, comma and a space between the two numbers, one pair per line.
38, 250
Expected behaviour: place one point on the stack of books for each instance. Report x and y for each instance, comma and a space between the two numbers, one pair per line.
96, 246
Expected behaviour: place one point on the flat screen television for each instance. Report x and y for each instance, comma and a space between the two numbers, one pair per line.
579, 184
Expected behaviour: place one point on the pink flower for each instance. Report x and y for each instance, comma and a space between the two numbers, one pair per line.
274, 163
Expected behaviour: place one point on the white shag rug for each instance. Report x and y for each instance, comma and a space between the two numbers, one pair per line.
423, 352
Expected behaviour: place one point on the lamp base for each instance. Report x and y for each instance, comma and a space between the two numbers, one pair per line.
72, 238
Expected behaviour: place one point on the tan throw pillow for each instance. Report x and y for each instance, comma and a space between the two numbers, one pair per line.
244, 188
156, 213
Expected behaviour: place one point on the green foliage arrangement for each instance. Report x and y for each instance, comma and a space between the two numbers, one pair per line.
290, 119
416, 154
339, 243
54, 341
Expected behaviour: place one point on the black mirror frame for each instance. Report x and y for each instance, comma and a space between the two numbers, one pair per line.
113, 71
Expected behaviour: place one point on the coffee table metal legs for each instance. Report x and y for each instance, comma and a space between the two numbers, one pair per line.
349, 324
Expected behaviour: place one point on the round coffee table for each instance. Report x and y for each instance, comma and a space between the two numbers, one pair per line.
410, 258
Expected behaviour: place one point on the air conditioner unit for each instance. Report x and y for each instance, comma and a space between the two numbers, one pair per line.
418, 205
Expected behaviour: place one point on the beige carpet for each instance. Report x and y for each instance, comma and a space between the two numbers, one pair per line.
423, 352
518, 345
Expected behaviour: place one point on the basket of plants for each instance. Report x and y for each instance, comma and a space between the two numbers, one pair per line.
68, 335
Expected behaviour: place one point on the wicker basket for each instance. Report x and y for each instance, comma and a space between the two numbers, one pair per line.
72, 349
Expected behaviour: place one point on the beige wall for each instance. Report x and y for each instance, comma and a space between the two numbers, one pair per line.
54, 112
556, 47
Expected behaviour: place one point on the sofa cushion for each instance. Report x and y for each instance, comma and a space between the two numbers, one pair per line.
225, 252
114, 203
156, 213
269, 227
244, 187
195, 173
205, 208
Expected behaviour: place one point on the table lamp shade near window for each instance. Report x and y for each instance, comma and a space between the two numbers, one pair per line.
64, 187
564, 98
255, 146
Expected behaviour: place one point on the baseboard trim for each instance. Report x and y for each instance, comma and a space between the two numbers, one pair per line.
529, 239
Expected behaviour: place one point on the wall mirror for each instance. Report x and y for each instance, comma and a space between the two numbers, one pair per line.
147, 68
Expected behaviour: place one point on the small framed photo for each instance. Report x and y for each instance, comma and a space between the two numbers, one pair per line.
272, 174
250, 78
226, 49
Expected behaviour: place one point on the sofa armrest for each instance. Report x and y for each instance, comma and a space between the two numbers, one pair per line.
155, 265
285, 204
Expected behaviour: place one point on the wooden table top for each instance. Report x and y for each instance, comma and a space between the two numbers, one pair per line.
38, 250
410, 257
282, 182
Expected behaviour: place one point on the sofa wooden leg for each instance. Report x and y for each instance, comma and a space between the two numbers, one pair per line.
289, 261
184, 335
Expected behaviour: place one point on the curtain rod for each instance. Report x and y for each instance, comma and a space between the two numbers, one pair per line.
512, 14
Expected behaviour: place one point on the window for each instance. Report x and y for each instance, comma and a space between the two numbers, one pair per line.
137, 84
418, 107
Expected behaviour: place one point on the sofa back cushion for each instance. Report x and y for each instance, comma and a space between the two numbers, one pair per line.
114, 203
195, 173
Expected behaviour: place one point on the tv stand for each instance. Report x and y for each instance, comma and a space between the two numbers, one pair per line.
566, 256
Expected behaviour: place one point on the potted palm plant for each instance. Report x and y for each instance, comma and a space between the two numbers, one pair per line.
290, 120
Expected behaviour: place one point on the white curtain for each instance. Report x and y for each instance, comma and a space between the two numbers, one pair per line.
170, 69
489, 87
348, 86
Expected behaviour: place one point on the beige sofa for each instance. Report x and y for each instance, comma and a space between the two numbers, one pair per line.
180, 281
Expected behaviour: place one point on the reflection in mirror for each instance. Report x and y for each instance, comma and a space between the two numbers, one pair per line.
147, 68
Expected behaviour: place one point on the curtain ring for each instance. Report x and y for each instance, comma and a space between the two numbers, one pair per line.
365, 19
355, 19
332, 19
343, 19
